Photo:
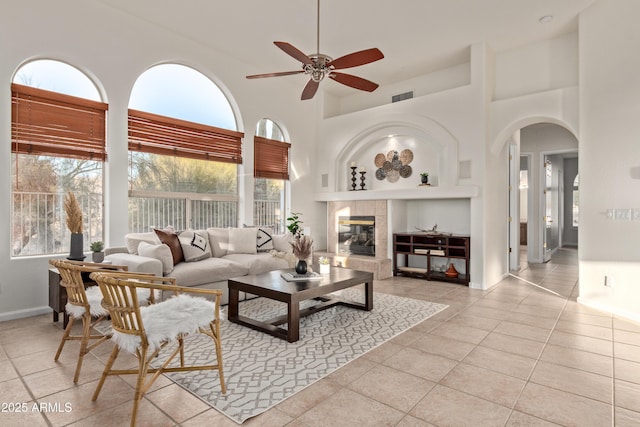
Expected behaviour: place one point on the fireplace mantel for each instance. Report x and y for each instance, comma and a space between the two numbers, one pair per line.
418, 193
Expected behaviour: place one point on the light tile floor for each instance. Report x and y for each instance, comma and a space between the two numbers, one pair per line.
516, 355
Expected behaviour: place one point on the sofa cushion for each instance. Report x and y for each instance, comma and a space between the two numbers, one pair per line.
160, 252
219, 241
207, 271
137, 263
195, 245
258, 263
264, 239
132, 240
242, 241
282, 242
170, 239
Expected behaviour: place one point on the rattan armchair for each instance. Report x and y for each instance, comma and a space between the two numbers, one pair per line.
84, 304
145, 331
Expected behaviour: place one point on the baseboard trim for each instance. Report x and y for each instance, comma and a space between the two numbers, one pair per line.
21, 314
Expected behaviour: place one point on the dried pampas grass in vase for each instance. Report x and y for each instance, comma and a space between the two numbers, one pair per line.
74, 213
74, 223
302, 248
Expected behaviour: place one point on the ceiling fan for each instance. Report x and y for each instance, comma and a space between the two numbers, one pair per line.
318, 66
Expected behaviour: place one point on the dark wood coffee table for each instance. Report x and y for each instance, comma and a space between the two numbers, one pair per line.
272, 285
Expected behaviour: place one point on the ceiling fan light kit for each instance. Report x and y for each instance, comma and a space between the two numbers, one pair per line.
318, 66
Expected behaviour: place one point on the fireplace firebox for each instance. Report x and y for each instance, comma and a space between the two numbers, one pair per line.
356, 235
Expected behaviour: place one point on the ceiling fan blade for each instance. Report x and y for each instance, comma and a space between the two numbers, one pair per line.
290, 50
310, 90
284, 73
356, 59
354, 81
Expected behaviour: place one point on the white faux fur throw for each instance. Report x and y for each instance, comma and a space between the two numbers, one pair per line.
164, 321
94, 298
287, 256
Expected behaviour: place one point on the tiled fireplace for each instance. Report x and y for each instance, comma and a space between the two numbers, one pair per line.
375, 211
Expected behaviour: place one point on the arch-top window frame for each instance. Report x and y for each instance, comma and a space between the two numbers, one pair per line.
180, 152
58, 144
271, 153
271, 172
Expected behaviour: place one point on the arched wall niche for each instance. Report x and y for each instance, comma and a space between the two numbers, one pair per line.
434, 148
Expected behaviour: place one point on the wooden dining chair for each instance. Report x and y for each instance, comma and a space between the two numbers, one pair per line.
84, 304
145, 331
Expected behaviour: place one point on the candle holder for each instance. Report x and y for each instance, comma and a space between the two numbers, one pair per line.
353, 178
362, 179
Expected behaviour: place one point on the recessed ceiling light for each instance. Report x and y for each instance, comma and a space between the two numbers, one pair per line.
546, 19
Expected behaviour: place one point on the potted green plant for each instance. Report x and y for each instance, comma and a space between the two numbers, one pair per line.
325, 266
424, 177
295, 224
97, 249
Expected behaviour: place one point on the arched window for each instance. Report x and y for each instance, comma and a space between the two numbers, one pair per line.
271, 172
576, 200
57, 145
184, 149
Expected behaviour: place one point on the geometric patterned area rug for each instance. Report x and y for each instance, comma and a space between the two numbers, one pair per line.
261, 371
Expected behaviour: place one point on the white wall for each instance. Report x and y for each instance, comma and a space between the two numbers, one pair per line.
538, 67
609, 154
115, 49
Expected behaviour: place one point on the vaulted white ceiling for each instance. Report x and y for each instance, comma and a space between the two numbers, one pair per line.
416, 36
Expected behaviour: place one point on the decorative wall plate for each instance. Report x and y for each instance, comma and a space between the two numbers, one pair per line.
393, 165
393, 176
405, 171
406, 156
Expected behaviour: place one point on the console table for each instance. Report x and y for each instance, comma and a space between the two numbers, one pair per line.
428, 246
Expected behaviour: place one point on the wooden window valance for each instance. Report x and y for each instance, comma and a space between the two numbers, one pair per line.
271, 158
55, 124
156, 134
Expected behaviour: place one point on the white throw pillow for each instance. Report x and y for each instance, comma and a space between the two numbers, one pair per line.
282, 242
264, 240
160, 252
132, 240
219, 241
195, 245
242, 241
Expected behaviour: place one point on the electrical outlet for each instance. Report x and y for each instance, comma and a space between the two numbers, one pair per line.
608, 281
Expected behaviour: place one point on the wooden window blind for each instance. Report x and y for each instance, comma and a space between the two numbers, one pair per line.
55, 124
152, 133
271, 158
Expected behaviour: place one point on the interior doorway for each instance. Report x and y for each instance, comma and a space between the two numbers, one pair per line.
545, 215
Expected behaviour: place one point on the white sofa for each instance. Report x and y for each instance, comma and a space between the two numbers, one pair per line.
211, 256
